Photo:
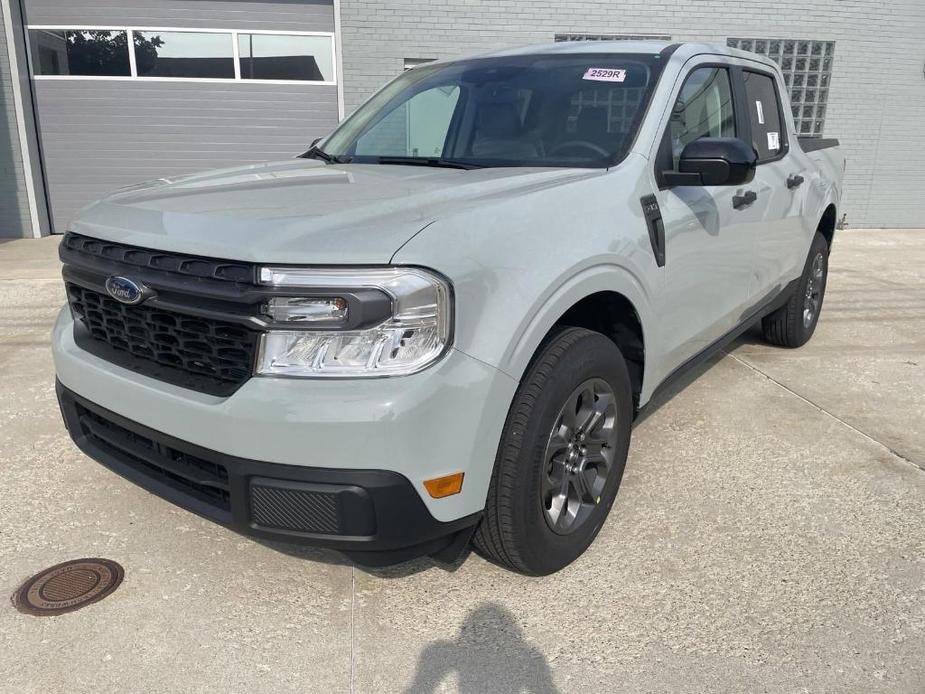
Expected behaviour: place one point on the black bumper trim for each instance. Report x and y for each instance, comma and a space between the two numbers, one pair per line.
374, 516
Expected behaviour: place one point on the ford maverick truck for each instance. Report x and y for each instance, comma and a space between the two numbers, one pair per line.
437, 326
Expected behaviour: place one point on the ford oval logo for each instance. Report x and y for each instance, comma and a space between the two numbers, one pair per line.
125, 290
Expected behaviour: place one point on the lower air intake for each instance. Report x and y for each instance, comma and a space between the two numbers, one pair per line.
298, 510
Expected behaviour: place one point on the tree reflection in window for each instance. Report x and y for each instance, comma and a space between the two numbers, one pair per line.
189, 54
98, 53
145, 51
85, 52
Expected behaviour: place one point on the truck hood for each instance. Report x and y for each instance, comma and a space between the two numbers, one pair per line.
302, 211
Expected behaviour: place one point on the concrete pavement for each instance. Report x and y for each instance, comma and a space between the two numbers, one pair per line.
768, 536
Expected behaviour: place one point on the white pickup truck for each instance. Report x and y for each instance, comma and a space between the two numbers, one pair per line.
438, 324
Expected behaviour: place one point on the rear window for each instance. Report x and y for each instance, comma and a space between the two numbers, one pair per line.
768, 136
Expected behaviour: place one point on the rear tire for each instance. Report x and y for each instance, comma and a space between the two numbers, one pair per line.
561, 456
793, 324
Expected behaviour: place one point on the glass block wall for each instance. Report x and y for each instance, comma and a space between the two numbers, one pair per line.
621, 104
807, 68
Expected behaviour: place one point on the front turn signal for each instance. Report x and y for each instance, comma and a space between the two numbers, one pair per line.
448, 485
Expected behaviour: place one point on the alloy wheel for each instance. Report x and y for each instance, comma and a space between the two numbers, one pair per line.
579, 456
813, 297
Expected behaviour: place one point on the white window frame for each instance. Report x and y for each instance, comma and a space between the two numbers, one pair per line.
237, 79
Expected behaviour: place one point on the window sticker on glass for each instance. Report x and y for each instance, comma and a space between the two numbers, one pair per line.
600, 74
773, 141
760, 112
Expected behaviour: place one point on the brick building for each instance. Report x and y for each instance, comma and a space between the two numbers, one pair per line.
240, 81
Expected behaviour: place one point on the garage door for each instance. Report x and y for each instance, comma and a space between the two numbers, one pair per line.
133, 90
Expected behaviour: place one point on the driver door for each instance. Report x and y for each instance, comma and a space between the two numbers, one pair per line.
708, 253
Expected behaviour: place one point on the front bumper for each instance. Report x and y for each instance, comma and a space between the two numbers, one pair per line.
378, 439
374, 516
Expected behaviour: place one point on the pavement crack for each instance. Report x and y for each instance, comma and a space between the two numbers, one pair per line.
353, 597
889, 449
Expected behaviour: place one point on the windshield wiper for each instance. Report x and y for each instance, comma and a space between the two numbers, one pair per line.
427, 161
316, 152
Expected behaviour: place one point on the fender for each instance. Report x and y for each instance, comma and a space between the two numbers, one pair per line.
821, 194
550, 307
823, 191
518, 264
830, 198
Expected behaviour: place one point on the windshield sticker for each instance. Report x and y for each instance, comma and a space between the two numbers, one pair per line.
601, 74
760, 112
773, 141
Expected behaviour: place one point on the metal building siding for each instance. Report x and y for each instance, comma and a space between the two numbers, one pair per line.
99, 135
295, 15
15, 220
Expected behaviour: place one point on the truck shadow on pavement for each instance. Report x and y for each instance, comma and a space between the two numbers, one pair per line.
489, 654
328, 556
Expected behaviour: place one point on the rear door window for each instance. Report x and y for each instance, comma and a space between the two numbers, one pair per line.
764, 114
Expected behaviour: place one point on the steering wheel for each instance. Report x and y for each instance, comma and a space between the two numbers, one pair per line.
579, 143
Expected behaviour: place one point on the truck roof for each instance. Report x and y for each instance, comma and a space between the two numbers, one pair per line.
682, 52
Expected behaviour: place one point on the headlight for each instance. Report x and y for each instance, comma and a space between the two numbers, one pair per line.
354, 322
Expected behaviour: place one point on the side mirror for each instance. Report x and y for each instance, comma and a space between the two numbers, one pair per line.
714, 161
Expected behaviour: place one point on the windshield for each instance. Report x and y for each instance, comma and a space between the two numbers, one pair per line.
579, 110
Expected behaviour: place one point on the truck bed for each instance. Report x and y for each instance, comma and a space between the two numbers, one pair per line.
814, 144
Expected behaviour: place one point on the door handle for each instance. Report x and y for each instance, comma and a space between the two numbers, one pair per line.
745, 199
794, 181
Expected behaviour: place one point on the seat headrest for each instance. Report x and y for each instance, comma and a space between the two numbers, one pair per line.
498, 119
592, 120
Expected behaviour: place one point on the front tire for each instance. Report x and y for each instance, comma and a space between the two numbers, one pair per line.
561, 457
793, 324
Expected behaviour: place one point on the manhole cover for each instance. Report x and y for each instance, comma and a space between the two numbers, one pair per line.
69, 586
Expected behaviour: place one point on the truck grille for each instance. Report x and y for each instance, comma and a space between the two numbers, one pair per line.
220, 354
185, 265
